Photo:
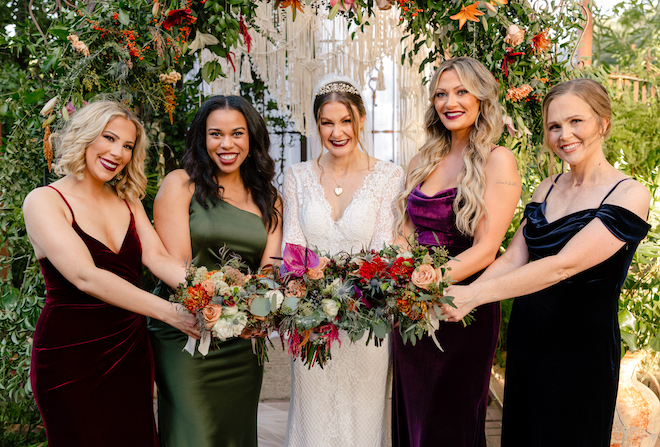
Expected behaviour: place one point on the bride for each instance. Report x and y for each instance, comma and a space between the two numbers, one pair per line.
342, 201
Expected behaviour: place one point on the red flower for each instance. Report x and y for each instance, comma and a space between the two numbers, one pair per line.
371, 268
509, 58
244, 31
198, 298
176, 16
400, 270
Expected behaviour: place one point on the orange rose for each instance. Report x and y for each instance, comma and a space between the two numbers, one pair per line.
211, 313
209, 286
423, 276
296, 288
317, 273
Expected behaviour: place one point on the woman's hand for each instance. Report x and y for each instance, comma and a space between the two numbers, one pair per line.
180, 318
465, 299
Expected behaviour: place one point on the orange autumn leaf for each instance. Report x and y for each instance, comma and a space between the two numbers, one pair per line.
467, 13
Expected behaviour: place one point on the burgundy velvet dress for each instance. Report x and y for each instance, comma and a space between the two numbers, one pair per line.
440, 398
92, 367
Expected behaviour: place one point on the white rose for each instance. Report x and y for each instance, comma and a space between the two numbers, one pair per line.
229, 310
223, 329
330, 307
239, 322
275, 294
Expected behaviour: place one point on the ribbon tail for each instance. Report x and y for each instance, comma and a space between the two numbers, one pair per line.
204, 343
254, 345
190, 345
435, 323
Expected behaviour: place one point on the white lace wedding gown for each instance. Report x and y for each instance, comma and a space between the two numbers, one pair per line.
342, 404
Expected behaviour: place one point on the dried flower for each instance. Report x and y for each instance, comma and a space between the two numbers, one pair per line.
78, 44
515, 94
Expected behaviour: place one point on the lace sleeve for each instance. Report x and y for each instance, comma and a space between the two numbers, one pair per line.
293, 232
384, 229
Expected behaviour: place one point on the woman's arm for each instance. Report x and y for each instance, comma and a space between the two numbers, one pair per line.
501, 195
274, 241
172, 216
592, 245
53, 237
292, 230
154, 255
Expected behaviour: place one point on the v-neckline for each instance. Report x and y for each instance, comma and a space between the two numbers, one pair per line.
355, 194
123, 244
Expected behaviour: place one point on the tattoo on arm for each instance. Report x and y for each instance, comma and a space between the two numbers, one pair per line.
507, 182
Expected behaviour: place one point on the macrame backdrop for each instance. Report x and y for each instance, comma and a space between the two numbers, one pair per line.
291, 57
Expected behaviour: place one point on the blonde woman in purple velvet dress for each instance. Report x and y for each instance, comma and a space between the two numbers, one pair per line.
461, 193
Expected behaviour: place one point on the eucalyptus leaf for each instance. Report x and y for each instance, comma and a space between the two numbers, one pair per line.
260, 306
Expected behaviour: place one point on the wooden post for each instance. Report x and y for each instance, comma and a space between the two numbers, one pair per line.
644, 88
636, 90
585, 51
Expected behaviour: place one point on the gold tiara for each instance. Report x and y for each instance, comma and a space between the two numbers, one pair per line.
341, 87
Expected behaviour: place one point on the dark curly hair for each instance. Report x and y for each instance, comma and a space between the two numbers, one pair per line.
257, 171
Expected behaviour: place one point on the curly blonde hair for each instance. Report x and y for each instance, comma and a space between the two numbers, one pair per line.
85, 126
469, 205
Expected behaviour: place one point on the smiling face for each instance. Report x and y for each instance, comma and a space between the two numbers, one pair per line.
227, 140
337, 130
574, 130
457, 108
111, 151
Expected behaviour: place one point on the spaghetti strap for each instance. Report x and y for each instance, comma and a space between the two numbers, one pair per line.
552, 185
128, 206
67, 203
612, 190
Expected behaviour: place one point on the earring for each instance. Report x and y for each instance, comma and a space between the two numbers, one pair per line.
249, 154
119, 176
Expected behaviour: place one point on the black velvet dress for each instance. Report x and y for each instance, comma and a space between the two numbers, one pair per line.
564, 342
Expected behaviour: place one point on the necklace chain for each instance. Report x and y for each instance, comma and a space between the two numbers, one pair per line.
338, 190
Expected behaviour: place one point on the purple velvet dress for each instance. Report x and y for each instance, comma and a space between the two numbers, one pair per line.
440, 398
92, 368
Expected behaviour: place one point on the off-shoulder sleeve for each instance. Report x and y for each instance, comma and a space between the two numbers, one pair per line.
384, 229
292, 228
624, 224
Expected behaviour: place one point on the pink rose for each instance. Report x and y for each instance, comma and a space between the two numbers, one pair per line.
211, 313
423, 276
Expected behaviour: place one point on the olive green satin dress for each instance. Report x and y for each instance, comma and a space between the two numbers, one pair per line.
212, 401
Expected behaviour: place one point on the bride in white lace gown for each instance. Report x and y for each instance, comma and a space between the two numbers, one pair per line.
342, 201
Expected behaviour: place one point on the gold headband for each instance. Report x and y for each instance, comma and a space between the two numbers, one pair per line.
340, 87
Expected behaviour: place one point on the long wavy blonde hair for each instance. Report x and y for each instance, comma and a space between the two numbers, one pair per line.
469, 205
87, 125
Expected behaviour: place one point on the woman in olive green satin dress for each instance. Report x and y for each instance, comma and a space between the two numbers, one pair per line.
222, 196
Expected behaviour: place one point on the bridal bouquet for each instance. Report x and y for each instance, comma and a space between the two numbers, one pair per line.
316, 294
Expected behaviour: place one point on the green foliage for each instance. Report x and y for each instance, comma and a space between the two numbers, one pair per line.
629, 36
